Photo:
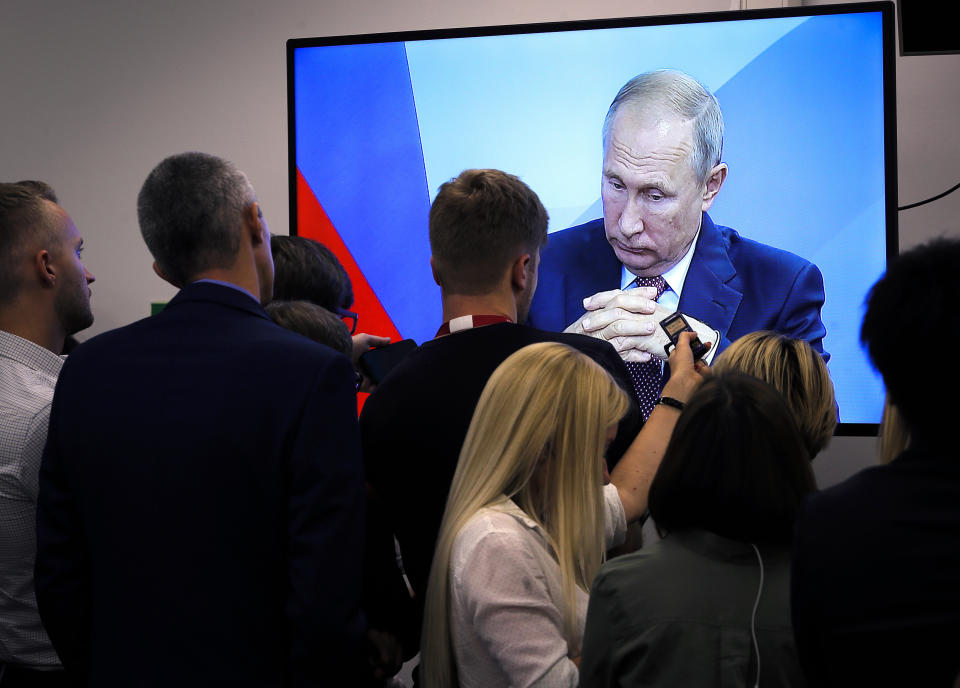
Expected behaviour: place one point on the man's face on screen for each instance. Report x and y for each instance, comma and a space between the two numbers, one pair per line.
652, 200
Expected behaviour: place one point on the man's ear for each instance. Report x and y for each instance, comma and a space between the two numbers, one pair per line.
162, 275
717, 176
256, 230
44, 268
436, 275
520, 272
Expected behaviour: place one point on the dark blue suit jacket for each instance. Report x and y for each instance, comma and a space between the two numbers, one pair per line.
200, 519
735, 285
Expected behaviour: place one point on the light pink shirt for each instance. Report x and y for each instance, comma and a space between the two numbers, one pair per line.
506, 600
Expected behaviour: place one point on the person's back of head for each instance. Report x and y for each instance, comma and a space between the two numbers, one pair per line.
795, 370
914, 306
313, 322
480, 222
23, 226
191, 209
307, 270
40, 188
736, 464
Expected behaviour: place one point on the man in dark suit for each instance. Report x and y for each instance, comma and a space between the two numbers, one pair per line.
662, 170
201, 490
877, 557
486, 231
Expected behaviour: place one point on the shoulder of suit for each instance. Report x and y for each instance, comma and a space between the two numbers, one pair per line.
739, 245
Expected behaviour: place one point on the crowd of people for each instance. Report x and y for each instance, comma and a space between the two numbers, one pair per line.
192, 500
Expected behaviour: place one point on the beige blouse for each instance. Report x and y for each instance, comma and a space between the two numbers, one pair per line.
506, 600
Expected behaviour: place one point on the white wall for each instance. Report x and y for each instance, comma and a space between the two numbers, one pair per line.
94, 94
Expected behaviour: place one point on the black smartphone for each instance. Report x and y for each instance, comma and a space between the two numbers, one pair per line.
376, 363
673, 325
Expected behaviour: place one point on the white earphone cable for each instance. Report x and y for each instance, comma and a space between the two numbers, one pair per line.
753, 616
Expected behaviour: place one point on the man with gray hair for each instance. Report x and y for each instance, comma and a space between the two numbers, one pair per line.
201, 492
662, 170
44, 298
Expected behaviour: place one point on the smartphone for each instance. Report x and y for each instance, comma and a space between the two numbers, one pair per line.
673, 325
376, 363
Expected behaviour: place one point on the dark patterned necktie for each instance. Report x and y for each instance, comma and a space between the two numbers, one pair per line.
648, 377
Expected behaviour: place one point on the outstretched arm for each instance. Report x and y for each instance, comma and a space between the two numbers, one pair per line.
635, 471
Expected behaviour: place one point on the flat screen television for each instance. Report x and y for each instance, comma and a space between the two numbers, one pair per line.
378, 122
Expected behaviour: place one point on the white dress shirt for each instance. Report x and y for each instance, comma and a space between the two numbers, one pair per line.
506, 600
28, 373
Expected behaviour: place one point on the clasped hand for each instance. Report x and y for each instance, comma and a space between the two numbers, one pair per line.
629, 320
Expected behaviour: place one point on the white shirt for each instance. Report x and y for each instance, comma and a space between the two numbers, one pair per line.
28, 374
506, 600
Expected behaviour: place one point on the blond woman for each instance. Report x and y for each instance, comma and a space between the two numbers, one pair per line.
529, 517
797, 371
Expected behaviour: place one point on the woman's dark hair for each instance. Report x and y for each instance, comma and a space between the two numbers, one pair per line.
307, 270
313, 322
736, 464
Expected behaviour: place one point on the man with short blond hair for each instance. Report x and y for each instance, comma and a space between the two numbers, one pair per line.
44, 297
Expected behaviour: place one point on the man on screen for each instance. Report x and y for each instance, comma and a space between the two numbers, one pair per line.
662, 170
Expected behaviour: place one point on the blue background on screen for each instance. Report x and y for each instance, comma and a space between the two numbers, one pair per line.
380, 127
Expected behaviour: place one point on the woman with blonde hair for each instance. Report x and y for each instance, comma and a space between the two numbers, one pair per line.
528, 518
894, 437
793, 368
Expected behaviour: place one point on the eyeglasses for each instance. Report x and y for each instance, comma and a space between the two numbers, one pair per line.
349, 318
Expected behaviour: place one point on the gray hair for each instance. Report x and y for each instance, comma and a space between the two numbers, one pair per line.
687, 98
190, 210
